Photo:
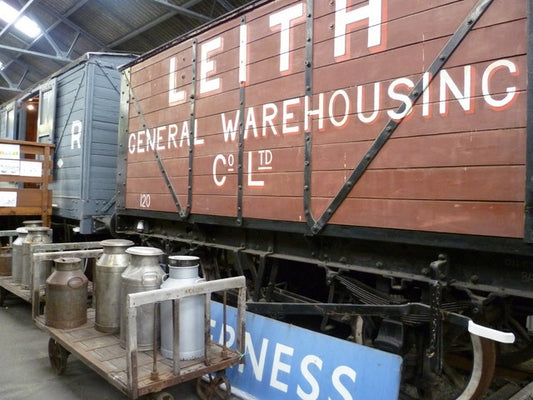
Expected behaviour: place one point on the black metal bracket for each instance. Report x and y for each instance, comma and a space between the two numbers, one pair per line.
309, 96
528, 223
192, 126
240, 156
434, 351
454, 42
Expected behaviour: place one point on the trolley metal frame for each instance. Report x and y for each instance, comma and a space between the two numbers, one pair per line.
138, 373
34, 293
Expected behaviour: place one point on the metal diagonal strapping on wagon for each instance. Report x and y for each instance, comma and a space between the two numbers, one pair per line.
156, 153
70, 111
104, 72
192, 129
390, 127
309, 94
240, 156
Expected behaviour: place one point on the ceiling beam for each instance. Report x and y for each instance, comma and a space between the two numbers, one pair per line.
227, 6
10, 89
63, 18
183, 10
35, 53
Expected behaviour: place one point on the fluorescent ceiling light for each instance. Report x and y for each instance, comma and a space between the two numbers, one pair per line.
23, 24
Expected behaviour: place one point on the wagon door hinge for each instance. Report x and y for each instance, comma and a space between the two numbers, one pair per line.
317, 225
240, 154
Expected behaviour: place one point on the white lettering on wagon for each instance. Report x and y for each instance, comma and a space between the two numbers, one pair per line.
75, 134
492, 69
163, 138
349, 108
343, 19
284, 19
279, 120
174, 96
208, 66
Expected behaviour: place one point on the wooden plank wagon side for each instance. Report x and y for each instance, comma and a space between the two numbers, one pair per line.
138, 373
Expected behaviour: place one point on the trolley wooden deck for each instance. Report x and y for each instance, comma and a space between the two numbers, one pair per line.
137, 373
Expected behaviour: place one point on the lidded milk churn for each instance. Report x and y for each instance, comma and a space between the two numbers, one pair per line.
66, 295
183, 271
32, 223
16, 261
142, 274
107, 277
36, 235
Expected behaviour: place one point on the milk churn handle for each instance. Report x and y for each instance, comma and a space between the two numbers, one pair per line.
75, 282
85, 265
149, 276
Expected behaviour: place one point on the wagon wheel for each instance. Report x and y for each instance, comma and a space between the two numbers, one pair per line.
484, 362
519, 351
482, 353
212, 388
58, 356
464, 352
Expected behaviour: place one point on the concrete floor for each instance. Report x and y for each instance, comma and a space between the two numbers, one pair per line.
25, 371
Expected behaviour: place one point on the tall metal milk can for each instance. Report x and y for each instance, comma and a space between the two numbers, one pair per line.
183, 271
142, 274
66, 295
107, 277
36, 235
16, 260
32, 223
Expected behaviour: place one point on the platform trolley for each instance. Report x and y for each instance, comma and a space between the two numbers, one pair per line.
146, 373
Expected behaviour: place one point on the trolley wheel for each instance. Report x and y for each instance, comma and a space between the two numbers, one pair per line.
58, 356
212, 389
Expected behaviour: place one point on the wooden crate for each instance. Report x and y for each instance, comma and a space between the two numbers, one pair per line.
29, 165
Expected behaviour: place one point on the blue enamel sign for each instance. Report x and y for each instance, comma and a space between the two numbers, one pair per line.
285, 362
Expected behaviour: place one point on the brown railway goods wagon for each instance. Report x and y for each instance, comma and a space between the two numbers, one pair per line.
365, 117
340, 148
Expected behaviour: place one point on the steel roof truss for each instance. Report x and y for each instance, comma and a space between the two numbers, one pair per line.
183, 10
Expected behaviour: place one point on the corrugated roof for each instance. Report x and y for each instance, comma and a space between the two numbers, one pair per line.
73, 27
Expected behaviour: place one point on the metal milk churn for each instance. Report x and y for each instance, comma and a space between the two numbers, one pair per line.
16, 260
107, 277
66, 295
142, 274
32, 223
36, 235
183, 271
